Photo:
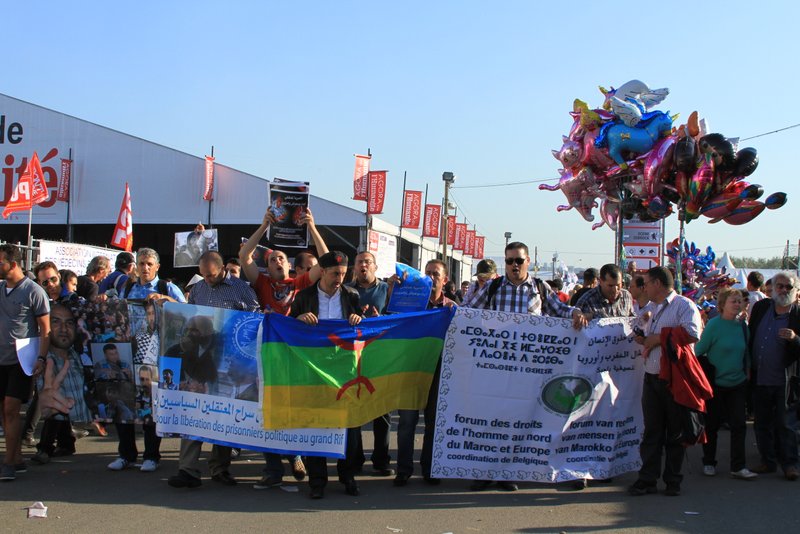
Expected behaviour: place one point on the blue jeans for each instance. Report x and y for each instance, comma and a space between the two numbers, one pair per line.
775, 435
407, 429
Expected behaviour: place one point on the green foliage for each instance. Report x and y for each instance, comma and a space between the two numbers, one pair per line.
764, 263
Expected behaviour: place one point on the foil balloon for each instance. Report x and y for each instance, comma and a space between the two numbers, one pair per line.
580, 190
657, 164
775, 200
746, 162
623, 139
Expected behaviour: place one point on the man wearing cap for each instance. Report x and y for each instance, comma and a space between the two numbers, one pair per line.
124, 267
329, 298
486, 272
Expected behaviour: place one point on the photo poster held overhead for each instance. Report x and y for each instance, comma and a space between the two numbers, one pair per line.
104, 342
210, 384
260, 255
189, 246
288, 202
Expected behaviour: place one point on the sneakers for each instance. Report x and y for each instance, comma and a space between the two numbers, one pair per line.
267, 482
119, 464
640, 487
7, 473
710, 470
507, 486
21, 467
29, 441
148, 466
40, 458
744, 474
184, 480
298, 468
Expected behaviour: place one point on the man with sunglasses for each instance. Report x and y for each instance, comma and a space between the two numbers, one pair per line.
519, 292
775, 348
47, 276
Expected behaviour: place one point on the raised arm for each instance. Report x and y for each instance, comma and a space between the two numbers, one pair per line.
246, 252
316, 271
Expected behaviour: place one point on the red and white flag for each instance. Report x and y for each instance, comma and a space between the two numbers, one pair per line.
31, 189
478, 254
360, 177
433, 220
451, 230
461, 236
469, 243
63, 183
123, 231
412, 202
208, 192
377, 191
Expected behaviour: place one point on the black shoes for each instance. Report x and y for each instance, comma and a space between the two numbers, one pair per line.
351, 487
640, 487
184, 480
382, 472
401, 479
224, 478
317, 493
431, 481
673, 490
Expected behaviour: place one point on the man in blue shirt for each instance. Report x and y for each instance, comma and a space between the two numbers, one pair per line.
123, 269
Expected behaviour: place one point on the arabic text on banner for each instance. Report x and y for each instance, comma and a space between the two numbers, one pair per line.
529, 398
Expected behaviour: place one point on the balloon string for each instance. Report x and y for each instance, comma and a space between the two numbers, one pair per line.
770, 133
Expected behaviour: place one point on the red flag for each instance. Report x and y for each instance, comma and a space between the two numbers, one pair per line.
460, 237
433, 219
412, 201
469, 242
31, 189
377, 191
478, 255
208, 193
123, 231
451, 229
360, 177
63, 184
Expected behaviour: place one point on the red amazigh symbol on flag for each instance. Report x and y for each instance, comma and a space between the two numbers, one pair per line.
208, 193
357, 346
123, 231
360, 177
31, 189
412, 201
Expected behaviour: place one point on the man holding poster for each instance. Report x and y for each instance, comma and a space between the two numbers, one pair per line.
519, 292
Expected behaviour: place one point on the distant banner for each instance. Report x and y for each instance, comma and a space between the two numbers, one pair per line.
526, 397
63, 183
189, 246
384, 248
377, 192
360, 177
433, 220
469, 242
73, 256
412, 202
288, 202
451, 229
459, 241
479, 242
208, 190
210, 388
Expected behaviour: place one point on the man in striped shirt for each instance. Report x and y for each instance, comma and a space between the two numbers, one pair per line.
519, 292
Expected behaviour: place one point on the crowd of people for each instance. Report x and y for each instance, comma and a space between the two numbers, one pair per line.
741, 358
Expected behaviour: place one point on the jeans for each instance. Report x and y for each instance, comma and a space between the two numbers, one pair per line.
407, 429
662, 430
775, 435
727, 404
127, 442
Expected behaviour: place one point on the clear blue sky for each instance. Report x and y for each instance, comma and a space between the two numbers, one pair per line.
483, 89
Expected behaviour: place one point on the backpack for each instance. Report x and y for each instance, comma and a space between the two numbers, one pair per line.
162, 287
495, 285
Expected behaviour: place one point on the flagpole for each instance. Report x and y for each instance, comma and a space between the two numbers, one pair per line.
29, 255
212, 191
402, 216
421, 247
367, 221
69, 200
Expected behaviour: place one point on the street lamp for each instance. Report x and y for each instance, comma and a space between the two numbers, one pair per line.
449, 179
508, 236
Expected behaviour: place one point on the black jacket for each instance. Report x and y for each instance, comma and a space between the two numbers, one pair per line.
307, 300
761, 308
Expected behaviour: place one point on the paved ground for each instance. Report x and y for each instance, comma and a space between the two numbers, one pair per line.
83, 496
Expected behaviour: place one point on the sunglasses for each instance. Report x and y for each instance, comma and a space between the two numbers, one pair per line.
47, 281
787, 287
518, 261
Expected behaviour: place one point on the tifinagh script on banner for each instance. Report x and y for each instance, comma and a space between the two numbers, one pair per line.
526, 397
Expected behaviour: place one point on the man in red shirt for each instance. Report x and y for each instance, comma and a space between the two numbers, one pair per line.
276, 291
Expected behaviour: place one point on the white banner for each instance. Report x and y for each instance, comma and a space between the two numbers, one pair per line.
526, 397
384, 248
73, 256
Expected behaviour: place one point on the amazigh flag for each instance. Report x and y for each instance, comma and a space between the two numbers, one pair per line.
334, 375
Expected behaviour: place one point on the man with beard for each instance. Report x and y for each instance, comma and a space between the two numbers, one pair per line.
145, 342
330, 299
57, 428
775, 347
372, 297
199, 364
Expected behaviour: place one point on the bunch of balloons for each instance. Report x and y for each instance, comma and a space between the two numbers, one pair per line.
700, 276
627, 157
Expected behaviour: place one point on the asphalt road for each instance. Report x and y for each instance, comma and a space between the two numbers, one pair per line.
83, 496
